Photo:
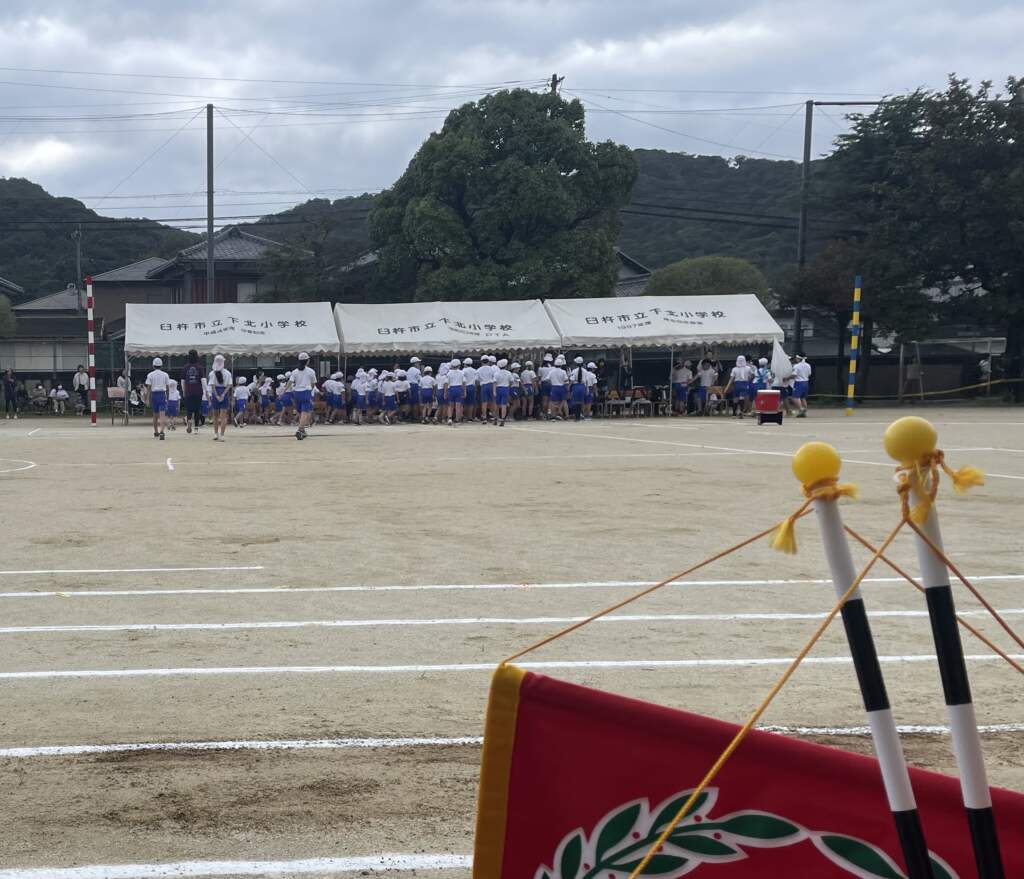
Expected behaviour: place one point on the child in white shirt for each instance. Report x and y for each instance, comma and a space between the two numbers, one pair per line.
173, 403
241, 401
389, 409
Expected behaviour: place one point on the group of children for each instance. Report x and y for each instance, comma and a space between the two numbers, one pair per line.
700, 392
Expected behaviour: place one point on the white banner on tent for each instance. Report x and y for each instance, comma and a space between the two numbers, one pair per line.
655, 321
230, 328
444, 327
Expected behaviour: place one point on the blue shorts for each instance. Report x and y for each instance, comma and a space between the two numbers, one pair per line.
240, 406
456, 394
288, 398
265, 401
220, 405
800, 390
371, 399
487, 393
545, 389
470, 395
414, 394
390, 404
590, 396
679, 389
426, 395
173, 407
579, 394
204, 408
515, 393
755, 387
702, 394
158, 401
361, 402
557, 393
741, 389
501, 395
528, 391
303, 400
278, 405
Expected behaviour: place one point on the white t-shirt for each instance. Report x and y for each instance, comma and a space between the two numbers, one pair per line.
61, 394
442, 380
387, 388
517, 379
427, 382
242, 392
456, 378
802, 371
469, 375
578, 375
413, 375
212, 378
589, 379
529, 377
486, 374
545, 372
503, 378
302, 379
682, 376
265, 387
402, 385
157, 380
557, 376
707, 377
172, 390
740, 374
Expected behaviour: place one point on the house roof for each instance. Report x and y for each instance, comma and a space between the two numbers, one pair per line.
61, 326
10, 287
64, 300
230, 244
136, 271
631, 286
629, 267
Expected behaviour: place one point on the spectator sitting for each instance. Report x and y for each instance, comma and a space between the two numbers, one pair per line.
60, 398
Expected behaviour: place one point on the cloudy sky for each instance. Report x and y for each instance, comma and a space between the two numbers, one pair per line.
103, 100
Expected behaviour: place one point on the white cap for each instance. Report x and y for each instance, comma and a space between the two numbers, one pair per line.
763, 361
578, 360
373, 370
241, 380
280, 378
559, 360
468, 361
591, 365
492, 358
503, 363
400, 373
428, 369
514, 366
218, 359
303, 356
414, 360
157, 361
456, 362
529, 363
548, 358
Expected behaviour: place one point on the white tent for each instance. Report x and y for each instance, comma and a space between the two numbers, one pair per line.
230, 328
658, 321
443, 327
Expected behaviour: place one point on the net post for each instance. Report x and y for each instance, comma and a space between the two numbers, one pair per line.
92, 351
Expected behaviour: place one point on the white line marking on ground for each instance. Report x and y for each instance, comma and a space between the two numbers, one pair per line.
469, 621
1003, 476
170, 466
241, 745
905, 729
296, 590
384, 863
461, 666
134, 570
34, 432
24, 465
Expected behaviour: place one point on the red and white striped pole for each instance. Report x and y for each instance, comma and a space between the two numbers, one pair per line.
92, 351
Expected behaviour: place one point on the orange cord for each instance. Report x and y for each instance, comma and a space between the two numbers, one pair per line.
984, 640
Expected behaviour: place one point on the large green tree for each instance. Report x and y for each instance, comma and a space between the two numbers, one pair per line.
708, 274
509, 200
937, 179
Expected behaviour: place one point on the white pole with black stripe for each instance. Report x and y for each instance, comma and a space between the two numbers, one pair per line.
818, 463
910, 441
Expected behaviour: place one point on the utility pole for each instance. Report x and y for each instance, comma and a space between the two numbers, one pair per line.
556, 81
210, 279
77, 236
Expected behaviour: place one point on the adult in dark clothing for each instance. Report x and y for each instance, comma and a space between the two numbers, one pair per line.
192, 374
10, 393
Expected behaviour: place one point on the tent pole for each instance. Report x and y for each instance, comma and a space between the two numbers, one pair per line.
670, 388
127, 386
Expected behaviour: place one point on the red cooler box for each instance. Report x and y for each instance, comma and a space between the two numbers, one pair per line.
768, 406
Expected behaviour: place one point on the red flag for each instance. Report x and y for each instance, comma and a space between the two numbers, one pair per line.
577, 784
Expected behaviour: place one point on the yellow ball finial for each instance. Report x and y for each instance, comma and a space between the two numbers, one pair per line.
816, 462
909, 439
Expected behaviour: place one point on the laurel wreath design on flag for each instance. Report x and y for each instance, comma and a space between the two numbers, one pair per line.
622, 837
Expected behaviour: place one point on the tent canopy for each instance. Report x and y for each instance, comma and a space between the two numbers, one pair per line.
656, 321
230, 328
443, 327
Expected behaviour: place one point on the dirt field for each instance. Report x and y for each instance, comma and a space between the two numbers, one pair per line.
307, 629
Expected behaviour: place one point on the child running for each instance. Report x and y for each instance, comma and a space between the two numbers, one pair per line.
220, 384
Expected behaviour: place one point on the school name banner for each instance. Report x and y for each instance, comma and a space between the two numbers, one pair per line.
577, 784
444, 327
231, 328
656, 321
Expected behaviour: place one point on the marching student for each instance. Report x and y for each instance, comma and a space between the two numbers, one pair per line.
469, 379
414, 375
301, 384
403, 392
279, 390
441, 392
330, 386
241, 401
739, 384
156, 384
359, 396
557, 378
515, 393
220, 385
456, 392
427, 385
578, 383
502, 391
801, 384
590, 381
265, 387
173, 403
486, 376
389, 403
529, 380
372, 394
545, 384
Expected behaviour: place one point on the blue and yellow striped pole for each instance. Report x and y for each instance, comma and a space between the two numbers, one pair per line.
854, 345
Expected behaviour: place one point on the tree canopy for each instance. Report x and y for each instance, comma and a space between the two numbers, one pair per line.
508, 201
708, 274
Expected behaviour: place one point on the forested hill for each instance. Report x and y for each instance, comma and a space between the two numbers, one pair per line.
37, 250
702, 205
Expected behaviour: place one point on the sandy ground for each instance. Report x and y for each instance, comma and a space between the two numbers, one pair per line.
560, 519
